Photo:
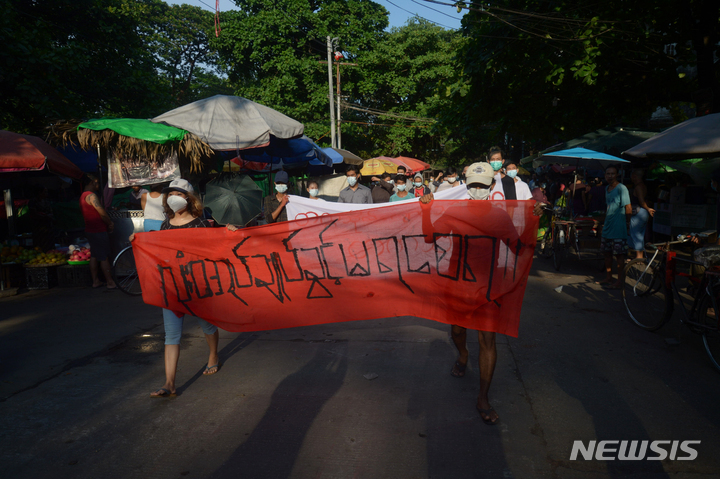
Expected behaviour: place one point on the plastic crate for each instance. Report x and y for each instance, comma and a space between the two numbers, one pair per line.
40, 277
74, 276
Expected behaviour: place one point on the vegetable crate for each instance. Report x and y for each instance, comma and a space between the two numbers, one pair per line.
40, 277
72, 276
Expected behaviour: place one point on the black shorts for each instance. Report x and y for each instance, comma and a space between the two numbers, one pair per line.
99, 245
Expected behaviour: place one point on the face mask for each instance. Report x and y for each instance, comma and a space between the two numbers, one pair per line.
452, 179
176, 203
401, 187
313, 192
512, 173
417, 185
479, 193
351, 180
281, 188
496, 165
390, 181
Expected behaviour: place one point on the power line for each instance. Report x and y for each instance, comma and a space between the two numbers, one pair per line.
385, 113
385, 124
417, 15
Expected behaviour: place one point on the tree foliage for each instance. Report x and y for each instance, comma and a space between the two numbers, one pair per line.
406, 75
543, 70
273, 49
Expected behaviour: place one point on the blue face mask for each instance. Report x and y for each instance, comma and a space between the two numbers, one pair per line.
351, 180
401, 187
281, 188
417, 185
496, 165
512, 173
313, 191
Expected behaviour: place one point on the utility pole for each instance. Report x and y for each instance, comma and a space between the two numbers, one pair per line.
330, 42
339, 100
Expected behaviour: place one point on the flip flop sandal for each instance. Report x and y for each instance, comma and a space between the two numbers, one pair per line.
458, 370
488, 413
208, 368
165, 393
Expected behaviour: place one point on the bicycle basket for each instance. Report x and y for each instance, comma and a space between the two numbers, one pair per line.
709, 256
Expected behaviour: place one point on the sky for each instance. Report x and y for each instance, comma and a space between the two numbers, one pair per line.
400, 10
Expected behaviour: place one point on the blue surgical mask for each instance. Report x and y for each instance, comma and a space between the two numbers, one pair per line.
417, 184
512, 173
313, 191
280, 188
401, 187
496, 165
351, 180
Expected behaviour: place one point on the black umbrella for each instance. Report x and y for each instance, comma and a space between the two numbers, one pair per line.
233, 199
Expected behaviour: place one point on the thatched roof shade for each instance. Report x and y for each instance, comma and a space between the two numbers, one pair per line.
150, 140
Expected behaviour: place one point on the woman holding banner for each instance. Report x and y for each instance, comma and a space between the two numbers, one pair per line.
183, 210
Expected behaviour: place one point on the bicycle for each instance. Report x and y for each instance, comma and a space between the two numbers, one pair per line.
125, 272
651, 291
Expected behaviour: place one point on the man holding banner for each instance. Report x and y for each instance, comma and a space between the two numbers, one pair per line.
480, 180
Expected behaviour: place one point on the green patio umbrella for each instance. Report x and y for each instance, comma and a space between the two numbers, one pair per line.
233, 199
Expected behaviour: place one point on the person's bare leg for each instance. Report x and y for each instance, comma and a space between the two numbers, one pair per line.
459, 337
639, 254
486, 363
621, 272
213, 359
172, 353
105, 266
94, 272
608, 269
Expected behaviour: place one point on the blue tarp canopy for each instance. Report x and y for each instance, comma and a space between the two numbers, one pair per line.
299, 150
580, 157
85, 160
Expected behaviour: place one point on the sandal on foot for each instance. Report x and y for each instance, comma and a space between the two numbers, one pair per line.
207, 371
487, 417
165, 393
458, 369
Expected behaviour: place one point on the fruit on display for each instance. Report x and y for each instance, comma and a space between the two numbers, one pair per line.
79, 253
51, 258
18, 254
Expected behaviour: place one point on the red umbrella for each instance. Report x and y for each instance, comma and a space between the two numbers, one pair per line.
412, 164
30, 153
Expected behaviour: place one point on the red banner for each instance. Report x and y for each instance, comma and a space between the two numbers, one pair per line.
454, 261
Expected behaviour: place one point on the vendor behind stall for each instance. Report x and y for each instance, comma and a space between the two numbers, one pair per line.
97, 226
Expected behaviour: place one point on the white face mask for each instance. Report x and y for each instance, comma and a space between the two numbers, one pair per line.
281, 188
452, 179
401, 187
351, 180
313, 191
176, 203
417, 184
479, 193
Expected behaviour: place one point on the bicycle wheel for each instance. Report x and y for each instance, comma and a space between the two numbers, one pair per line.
547, 245
559, 249
646, 298
709, 320
125, 273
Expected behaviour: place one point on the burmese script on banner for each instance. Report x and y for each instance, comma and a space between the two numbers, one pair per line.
454, 261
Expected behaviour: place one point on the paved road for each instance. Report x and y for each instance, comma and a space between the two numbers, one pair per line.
78, 365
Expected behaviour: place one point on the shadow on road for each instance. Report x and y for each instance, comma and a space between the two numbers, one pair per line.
272, 448
456, 443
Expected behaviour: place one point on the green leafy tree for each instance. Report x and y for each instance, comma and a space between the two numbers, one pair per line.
179, 37
272, 51
73, 58
407, 75
541, 71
